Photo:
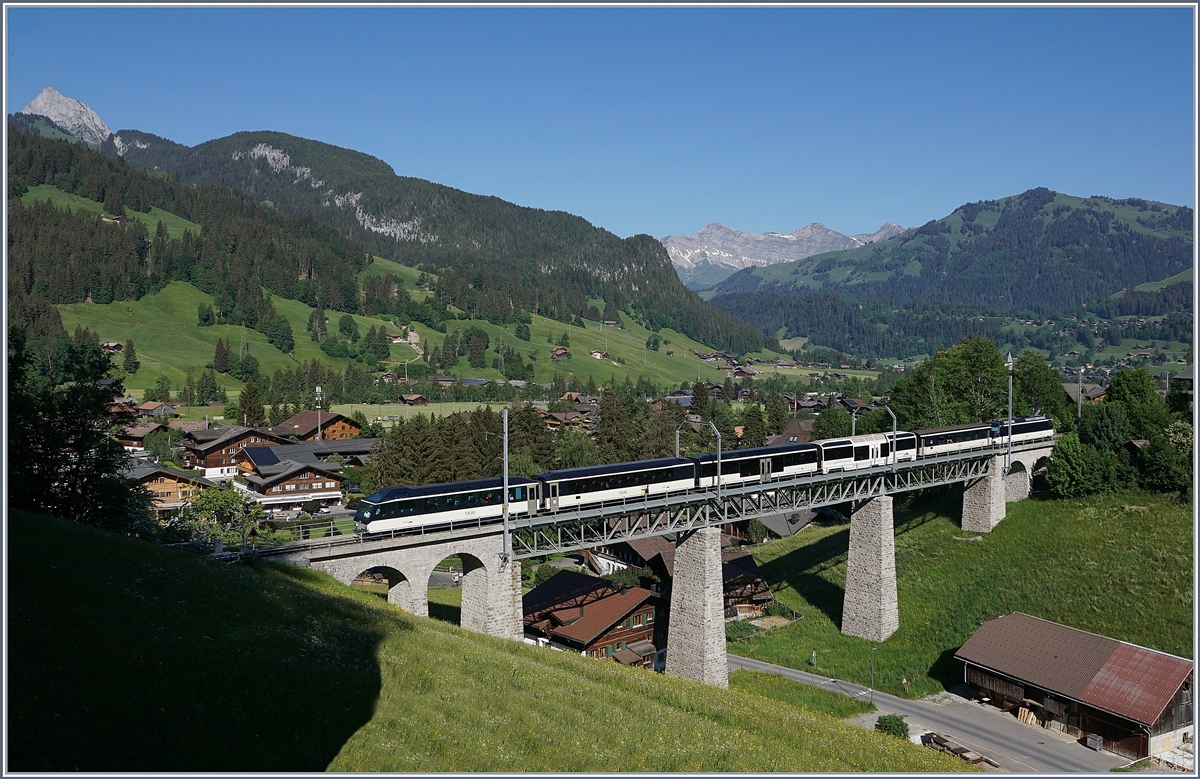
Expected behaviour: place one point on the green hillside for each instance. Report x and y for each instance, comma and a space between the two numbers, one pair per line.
1037, 251
1119, 565
513, 258
166, 662
164, 330
175, 224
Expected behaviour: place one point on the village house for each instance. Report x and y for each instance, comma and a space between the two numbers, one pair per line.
576, 612
796, 431
415, 400
170, 488
133, 437
289, 484
262, 460
186, 425
212, 450
746, 591
304, 426
1092, 393
1128, 699
156, 408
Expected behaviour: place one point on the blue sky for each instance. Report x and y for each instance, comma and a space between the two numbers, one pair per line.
662, 120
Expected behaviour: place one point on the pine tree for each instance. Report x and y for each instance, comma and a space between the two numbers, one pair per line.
250, 410
220, 361
754, 427
131, 364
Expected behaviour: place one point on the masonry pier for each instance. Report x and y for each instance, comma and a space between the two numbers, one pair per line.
696, 631
869, 608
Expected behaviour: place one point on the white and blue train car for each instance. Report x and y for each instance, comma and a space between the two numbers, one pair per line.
856, 452
762, 464
398, 508
1034, 428
576, 487
954, 438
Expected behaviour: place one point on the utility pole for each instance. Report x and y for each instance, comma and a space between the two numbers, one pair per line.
318, 413
506, 555
1008, 460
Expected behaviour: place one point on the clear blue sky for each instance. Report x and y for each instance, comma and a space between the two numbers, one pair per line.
662, 120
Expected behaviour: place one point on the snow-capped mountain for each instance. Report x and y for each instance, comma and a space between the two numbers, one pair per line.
708, 257
69, 114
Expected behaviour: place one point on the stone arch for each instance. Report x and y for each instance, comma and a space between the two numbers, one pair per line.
491, 596
399, 588
1016, 482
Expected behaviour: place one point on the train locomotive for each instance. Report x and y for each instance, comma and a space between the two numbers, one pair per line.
479, 500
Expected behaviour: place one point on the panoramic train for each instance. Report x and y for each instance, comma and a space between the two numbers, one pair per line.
396, 508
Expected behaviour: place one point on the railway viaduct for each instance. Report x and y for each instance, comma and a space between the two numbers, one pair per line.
491, 588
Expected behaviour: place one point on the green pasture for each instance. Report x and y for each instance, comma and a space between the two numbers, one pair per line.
175, 224
169, 662
1117, 565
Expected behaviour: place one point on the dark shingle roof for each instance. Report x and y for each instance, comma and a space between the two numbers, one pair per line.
1125, 679
580, 608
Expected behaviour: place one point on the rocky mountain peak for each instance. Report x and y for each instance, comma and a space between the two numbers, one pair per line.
69, 114
717, 251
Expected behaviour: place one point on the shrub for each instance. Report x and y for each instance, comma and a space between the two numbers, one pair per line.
893, 725
756, 531
739, 629
543, 573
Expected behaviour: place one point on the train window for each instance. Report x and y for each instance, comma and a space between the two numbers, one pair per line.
518, 493
839, 453
885, 449
906, 443
862, 453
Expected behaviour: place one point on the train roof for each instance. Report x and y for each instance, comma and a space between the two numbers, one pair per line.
758, 451
954, 428
394, 493
604, 470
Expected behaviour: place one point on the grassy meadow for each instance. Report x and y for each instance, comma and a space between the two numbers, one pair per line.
168, 662
1118, 565
175, 224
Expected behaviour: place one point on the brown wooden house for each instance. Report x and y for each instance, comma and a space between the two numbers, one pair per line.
1137, 701
170, 488
303, 426
597, 618
133, 437
212, 450
292, 484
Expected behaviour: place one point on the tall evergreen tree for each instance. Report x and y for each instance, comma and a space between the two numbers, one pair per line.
220, 361
131, 363
250, 408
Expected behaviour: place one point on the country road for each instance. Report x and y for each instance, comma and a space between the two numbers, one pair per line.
984, 729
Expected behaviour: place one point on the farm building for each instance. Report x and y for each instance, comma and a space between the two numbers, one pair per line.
1138, 700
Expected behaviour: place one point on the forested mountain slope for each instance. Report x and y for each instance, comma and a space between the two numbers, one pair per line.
1037, 251
498, 259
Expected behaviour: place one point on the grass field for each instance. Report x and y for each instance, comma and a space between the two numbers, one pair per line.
167, 662
169, 342
175, 224
1117, 565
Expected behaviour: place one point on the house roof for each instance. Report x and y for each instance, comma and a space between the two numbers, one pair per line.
139, 431
144, 469
1090, 391
216, 437
1122, 678
801, 429
304, 423
580, 608
291, 470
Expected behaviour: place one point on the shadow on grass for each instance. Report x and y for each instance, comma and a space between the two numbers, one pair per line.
446, 612
125, 657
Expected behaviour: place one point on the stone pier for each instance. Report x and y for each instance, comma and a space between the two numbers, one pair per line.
696, 632
869, 609
983, 501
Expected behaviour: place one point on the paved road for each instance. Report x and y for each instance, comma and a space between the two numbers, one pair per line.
984, 729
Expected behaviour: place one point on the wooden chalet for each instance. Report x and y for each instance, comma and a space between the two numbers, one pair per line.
289, 484
212, 450
1136, 700
133, 437
333, 426
796, 431
170, 488
156, 409
746, 591
415, 400
575, 612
